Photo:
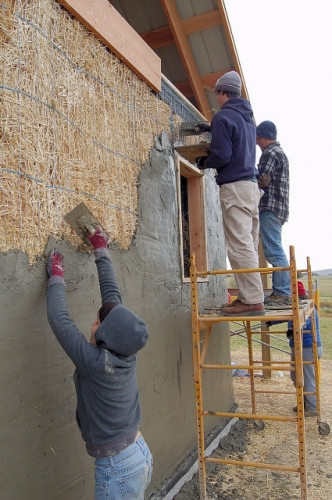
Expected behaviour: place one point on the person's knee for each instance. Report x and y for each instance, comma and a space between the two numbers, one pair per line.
269, 256
276, 256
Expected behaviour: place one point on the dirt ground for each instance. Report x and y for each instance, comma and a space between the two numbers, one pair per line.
277, 443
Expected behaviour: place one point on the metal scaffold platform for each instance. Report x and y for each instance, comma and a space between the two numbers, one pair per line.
202, 328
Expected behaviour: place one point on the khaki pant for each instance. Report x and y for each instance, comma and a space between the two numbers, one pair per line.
239, 204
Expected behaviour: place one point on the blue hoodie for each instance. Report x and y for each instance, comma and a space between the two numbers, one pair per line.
108, 410
233, 144
307, 332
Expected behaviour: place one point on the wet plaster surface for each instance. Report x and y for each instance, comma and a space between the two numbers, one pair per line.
42, 454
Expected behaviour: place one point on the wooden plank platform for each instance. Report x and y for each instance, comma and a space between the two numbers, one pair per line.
305, 309
194, 151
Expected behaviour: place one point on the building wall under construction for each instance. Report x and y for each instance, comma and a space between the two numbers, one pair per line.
77, 125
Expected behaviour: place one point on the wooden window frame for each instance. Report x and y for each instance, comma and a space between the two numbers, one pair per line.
197, 214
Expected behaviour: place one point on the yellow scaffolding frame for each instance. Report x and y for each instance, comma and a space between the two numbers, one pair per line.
201, 332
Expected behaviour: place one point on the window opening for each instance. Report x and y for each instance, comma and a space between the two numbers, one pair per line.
191, 201
185, 227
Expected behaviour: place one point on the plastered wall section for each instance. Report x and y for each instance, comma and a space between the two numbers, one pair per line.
42, 454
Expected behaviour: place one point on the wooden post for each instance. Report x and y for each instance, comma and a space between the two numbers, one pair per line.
265, 338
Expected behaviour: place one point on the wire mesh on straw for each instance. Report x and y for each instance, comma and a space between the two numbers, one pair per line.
76, 125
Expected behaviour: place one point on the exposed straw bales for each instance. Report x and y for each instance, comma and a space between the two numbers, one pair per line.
75, 125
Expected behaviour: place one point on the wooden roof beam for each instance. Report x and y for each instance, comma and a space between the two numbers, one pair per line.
208, 82
189, 63
202, 22
161, 37
185, 88
231, 45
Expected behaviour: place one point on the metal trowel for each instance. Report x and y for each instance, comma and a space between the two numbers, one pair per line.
82, 221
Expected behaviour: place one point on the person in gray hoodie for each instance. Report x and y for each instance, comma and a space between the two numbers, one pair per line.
108, 409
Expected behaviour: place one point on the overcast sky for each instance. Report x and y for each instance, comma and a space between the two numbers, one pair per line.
284, 47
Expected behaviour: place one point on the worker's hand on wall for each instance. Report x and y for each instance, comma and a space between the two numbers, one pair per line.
99, 239
200, 163
202, 127
54, 264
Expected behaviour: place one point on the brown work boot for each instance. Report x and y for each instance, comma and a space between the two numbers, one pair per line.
238, 308
232, 304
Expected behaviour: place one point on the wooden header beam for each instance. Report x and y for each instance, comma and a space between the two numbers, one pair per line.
105, 22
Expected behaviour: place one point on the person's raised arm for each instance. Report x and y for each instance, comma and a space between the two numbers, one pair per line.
107, 281
67, 334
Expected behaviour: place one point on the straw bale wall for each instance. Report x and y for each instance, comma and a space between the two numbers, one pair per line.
76, 125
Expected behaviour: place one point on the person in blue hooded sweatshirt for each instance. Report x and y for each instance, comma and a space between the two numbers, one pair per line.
233, 156
108, 409
309, 380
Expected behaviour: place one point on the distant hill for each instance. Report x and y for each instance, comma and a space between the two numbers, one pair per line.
323, 272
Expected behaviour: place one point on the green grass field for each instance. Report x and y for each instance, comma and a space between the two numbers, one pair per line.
324, 284
325, 330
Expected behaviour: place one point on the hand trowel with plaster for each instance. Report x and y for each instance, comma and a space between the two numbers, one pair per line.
83, 222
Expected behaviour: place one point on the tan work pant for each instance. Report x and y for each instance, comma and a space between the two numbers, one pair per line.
239, 204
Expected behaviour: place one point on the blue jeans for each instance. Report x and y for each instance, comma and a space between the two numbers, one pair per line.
309, 381
270, 230
124, 476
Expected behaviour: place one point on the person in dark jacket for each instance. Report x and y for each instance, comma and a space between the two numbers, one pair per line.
232, 155
108, 409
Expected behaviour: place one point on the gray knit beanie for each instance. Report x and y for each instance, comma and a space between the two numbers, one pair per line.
267, 130
230, 82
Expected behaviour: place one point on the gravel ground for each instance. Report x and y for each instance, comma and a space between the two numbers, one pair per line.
277, 443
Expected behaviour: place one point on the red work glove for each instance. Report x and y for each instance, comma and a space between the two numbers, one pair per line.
99, 239
54, 264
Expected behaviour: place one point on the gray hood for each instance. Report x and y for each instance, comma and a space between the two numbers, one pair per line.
122, 332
